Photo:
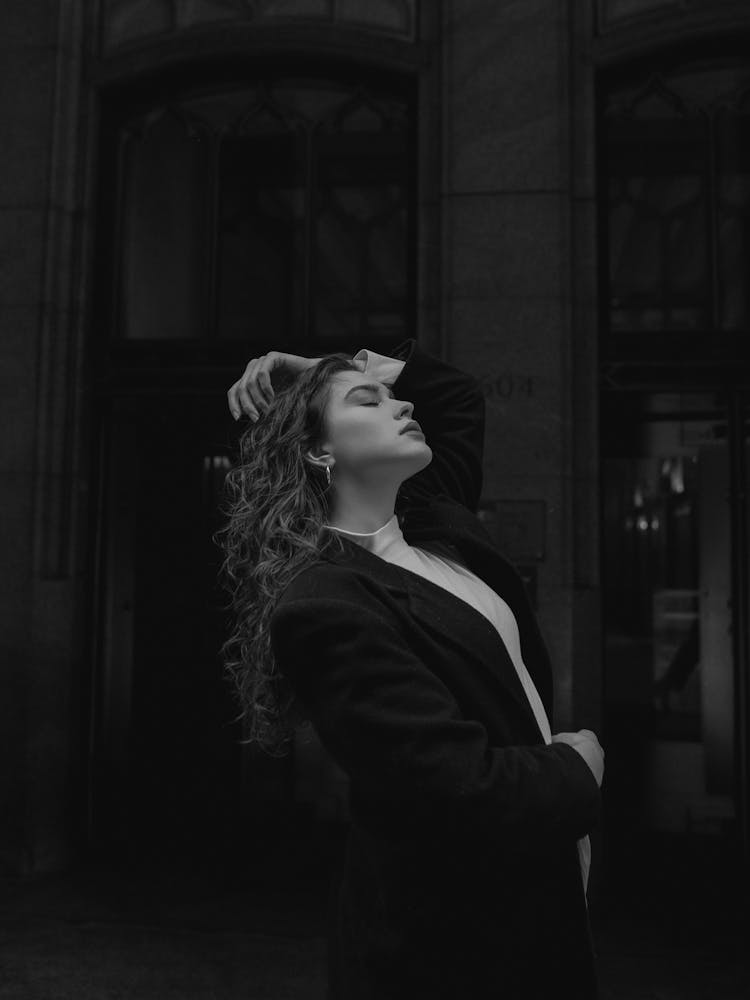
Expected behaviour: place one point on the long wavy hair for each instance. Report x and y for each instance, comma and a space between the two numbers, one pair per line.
276, 502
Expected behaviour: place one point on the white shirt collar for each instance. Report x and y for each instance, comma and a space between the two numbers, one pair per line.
389, 538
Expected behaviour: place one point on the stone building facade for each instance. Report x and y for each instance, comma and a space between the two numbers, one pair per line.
497, 181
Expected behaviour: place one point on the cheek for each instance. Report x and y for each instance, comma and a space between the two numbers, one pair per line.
356, 436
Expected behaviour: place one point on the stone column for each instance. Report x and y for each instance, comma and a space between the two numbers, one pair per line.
40, 180
517, 217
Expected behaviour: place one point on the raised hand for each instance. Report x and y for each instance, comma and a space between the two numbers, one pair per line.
253, 393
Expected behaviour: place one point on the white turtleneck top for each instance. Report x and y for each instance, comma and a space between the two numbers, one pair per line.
389, 543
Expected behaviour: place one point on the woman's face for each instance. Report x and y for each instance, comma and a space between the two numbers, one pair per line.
365, 431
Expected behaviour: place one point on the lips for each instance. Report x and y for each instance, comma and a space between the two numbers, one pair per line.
411, 426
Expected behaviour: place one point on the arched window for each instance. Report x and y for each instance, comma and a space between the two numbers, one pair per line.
278, 212
677, 175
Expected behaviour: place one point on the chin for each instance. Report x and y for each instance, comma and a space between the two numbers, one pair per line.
427, 457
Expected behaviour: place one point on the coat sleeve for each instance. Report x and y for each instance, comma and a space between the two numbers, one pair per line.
449, 406
397, 731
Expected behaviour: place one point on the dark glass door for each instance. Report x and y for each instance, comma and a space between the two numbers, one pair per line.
669, 553
166, 749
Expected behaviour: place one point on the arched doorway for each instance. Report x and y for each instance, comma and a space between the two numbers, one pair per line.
272, 213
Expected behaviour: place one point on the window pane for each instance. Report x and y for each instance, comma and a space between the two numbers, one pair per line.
361, 231
658, 192
314, 216
261, 228
668, 652
164, 235
271, 212
733, 222
678, 201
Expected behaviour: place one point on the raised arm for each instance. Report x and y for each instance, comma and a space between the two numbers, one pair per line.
395, 728
449, 406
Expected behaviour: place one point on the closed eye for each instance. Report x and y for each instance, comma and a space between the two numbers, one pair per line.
372, 394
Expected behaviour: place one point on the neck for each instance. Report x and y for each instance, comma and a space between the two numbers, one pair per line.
362, 506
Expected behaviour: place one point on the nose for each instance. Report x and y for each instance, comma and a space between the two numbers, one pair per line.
405, 408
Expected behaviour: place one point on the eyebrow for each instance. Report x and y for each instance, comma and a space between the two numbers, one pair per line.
372, 386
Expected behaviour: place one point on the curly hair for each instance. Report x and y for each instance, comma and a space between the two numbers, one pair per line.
276, 504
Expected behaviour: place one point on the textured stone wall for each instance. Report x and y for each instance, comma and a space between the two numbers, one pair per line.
40, 433
128, 21
512, 229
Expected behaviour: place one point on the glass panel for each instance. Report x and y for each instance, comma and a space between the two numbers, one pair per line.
361, 225
222, 113
669, 698
678, 190
164, 231
261, 230
164, 778
310, 101
658, 242
272, 212
733, 222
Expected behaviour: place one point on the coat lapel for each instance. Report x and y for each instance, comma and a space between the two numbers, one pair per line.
448, 521
449, 616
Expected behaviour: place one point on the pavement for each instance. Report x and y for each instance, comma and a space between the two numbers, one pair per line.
669, 920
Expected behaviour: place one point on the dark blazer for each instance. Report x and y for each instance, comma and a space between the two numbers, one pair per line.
461, 877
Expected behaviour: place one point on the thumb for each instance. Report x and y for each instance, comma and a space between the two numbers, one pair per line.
566, 738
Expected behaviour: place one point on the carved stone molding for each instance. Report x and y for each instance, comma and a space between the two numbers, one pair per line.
127, 21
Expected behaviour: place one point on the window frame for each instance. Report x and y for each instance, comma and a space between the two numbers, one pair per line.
190, 366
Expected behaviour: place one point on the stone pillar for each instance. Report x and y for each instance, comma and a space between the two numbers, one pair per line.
517, 210
40, 118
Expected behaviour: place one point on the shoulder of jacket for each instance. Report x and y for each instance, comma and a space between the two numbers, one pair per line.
327, 579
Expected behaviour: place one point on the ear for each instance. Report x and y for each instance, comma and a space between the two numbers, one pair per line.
321, 460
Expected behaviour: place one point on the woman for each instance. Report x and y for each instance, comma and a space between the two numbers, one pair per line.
366, 589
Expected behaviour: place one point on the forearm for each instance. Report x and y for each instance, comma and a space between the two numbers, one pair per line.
395, 728
449, 405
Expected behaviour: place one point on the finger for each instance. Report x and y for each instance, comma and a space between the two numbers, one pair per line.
564, 738
250, 394
234, 406
246, 401
253, 414
264, 383
253, 387
589, 734
240, 396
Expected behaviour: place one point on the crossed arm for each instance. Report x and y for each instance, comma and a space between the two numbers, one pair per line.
396, 729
